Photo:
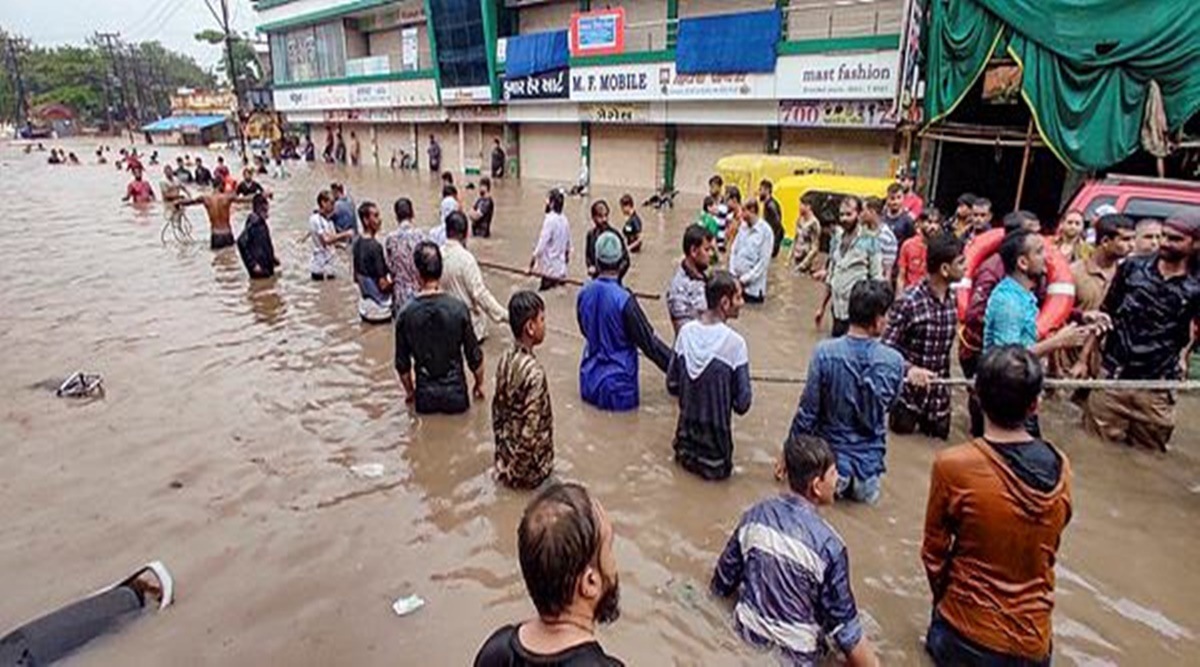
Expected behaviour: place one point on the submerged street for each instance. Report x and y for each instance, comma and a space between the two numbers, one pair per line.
236, 416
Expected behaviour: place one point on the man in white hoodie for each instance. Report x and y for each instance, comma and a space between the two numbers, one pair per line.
710, 373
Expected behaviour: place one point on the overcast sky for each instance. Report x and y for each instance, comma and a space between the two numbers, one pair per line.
172, 22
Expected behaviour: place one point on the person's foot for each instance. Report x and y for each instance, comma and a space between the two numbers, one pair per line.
153, 583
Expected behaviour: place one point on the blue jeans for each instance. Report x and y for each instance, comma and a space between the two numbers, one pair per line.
948, 648
859, 490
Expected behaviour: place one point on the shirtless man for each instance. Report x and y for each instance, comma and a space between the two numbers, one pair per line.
218, 205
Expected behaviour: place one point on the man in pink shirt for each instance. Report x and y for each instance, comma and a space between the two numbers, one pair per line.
138, 191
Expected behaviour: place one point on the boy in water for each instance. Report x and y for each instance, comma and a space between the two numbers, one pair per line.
791, 569
522, 420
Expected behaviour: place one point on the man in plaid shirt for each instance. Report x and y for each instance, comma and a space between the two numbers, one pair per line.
921, 327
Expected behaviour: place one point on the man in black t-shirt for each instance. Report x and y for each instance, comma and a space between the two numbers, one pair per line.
771, 212
565, 541
498, 159
633, 224
249, 187
370, 268
485, 207
254, 244
433, 335
202, 176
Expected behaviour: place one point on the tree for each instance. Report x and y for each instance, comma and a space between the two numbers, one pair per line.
77, 76
245, 61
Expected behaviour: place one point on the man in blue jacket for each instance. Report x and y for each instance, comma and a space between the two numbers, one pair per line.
615, 328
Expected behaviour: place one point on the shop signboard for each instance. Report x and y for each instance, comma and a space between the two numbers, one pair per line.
853, 76
837, 113
475, 114
550, 85
615, 114
376, 95
656, 82
200, 102
466, 95
317, 97
409, 93
598, 33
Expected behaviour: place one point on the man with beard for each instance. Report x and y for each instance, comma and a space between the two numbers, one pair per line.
1012, 308
791, 570
1154, 302
565, 542
854, 256
685, 294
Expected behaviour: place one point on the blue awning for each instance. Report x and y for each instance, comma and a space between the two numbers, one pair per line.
728, 43
536, 53
183, 123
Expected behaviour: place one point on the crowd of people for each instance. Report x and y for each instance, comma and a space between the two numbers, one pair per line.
894, 281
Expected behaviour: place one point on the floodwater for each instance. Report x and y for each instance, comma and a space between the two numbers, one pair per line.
235, 412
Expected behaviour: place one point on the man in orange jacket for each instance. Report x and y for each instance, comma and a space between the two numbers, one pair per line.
997, 509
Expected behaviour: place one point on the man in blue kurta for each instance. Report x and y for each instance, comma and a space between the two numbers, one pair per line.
615, 328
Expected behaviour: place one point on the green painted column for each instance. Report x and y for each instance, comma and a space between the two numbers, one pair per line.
585, 148
585, 5
489, 40
433, 49
782, 5
669, 141
672, 23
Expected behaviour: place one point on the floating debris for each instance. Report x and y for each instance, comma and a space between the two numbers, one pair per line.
80, 384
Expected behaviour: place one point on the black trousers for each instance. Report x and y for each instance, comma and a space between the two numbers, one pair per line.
52, 637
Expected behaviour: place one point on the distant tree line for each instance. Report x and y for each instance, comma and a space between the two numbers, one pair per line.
130, 82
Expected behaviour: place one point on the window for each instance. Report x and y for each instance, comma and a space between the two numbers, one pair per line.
462, 54
1089, 212
309, 53
1138, 208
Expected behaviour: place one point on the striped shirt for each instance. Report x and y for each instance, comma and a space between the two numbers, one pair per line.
791, 572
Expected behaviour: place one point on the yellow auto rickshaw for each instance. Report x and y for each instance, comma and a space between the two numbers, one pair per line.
827, 191
746, 171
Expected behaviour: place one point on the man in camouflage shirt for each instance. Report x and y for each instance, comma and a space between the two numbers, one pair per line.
521, 417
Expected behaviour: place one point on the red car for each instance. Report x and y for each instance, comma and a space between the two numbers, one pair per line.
1137, 196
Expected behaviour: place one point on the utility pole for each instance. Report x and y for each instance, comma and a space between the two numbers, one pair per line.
13, 46
108, 97
223, 22
108, 38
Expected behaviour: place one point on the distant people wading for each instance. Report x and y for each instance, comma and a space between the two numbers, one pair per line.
553, 251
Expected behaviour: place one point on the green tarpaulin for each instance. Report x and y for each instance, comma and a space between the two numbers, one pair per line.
1086, 65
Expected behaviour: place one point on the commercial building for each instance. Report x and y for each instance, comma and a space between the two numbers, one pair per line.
645, 93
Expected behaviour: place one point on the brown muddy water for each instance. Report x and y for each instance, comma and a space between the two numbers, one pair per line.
234, 413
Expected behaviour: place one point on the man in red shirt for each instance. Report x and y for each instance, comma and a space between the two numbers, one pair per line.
912, 201
910, 266
138, 191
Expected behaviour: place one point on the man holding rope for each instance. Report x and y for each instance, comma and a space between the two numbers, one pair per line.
852, 382
921, 326
1153, 302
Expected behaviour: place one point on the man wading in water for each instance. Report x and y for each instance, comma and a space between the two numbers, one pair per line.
218, 204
